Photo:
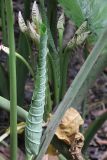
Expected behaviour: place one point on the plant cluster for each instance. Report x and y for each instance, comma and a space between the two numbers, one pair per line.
49, 70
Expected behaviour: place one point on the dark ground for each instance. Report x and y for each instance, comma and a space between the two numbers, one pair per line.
96, 101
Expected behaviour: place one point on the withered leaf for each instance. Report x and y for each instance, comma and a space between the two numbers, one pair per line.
69, 125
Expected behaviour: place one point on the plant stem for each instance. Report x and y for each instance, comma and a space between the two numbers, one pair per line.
3, 20
24, 61
13, 94
45, 20
52, 17
5, 104
54, 62
64, 68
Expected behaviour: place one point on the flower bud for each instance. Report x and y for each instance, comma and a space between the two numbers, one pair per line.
22, 24
32, 32
61, 21
36, 17
82, 28
82, 37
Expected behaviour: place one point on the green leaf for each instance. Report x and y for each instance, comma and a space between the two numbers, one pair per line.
95, 11
72, 10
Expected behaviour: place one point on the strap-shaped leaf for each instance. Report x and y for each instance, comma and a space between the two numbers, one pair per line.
34, 121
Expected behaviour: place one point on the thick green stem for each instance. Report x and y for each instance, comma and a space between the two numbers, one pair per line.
13, 94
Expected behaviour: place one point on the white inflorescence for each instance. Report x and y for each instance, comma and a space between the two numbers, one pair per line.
21, 22
36, 17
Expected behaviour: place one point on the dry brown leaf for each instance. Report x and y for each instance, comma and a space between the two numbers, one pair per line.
68, 131
77, 142
69, 125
